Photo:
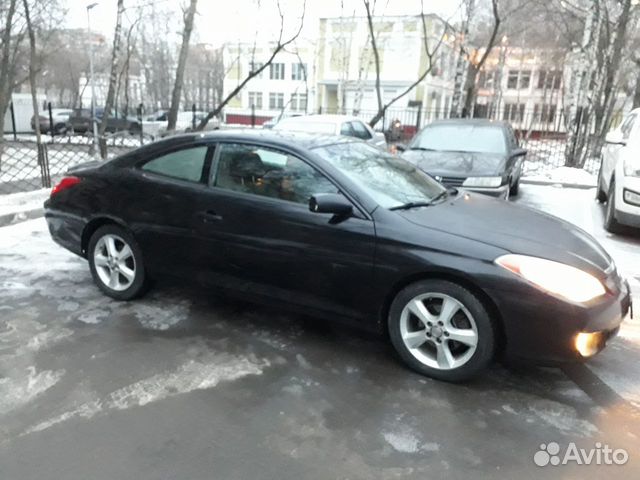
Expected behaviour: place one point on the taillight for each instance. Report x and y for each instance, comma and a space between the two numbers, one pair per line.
66, 182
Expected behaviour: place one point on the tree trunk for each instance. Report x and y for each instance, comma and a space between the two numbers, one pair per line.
636, 92
113, 78
5, 66
182, 61
472, 72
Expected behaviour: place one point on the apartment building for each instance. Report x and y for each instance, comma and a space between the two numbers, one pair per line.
346, 73
286, 85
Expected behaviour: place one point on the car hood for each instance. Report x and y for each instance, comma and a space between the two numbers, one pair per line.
514, 228
456, 164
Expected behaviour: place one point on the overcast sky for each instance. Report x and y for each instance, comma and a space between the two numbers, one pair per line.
220, 21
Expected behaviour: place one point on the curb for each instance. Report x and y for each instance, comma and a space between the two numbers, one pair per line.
13, 218
549, 183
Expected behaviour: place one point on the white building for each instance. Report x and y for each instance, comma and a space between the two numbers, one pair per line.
286, 85
346, 65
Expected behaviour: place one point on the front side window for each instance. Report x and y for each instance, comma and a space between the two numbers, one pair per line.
390, 181
269, 173
360, 130
187, 164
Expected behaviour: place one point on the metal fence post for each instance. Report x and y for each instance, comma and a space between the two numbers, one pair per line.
139, 111
52, 129
253, 116
13, 121
193, 117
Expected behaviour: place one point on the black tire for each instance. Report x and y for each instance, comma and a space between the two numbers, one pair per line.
138, 284
485, 326
611, 225
601, 195
515, 188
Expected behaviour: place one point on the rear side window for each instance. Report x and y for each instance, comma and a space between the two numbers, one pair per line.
187, 164
360, 131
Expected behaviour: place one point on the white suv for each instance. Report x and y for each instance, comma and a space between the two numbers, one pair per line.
619, 178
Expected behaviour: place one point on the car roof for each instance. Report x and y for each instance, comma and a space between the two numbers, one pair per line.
326, 118
470, 121
282, 139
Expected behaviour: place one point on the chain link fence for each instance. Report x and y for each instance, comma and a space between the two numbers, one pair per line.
27, 166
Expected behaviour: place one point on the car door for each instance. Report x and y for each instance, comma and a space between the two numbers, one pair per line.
612, 150
159, 199
261, 237
514, 161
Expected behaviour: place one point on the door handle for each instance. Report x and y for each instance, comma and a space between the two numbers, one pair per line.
210, 216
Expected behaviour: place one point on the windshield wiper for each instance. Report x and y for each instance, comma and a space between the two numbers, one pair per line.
441, 195
424, 149
408, 205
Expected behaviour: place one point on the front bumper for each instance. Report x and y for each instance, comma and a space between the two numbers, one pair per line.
544, 330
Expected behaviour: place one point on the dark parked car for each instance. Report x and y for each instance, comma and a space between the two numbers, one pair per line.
481, 155
80, 122
335, 227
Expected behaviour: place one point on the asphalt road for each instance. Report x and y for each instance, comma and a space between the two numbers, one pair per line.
183, 384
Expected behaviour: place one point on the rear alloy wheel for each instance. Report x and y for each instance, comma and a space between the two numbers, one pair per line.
441, 330
611, 225
116, 264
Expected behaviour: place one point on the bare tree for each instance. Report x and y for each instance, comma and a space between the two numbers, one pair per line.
281, 44
32, 71
188, 15
474, 67
430, 53
113, 78
6, 67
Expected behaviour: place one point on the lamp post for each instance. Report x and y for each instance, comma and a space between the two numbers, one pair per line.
91, 77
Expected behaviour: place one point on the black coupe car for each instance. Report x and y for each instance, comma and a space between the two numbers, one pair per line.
335, 227
479, 155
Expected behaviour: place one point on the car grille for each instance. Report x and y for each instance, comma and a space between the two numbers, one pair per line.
452, 181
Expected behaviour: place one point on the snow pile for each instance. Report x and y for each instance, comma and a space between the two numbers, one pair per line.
23, 202
566, 175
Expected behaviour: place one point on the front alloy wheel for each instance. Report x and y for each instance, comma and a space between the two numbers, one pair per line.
116, 263
442, 330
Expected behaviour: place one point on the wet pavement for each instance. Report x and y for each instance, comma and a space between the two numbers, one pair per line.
185, 384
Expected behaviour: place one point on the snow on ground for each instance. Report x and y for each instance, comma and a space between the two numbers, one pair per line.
566, 175
23, 202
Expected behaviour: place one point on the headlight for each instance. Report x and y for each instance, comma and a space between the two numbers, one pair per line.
556, 278
631, 198
632, 167
490, 182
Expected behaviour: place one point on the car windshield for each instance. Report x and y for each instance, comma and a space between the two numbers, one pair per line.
313, 127
461, 138
389, 180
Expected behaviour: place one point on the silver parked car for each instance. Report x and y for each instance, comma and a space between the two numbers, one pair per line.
333, 125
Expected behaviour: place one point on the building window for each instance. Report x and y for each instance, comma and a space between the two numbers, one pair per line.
298, 71
513, 112
255, 99
486, 79
299, 102
518, 79
276, 71
544, 113
276, 101
254, 66
549, 79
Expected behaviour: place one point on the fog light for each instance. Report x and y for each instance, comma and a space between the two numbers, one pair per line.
588, 344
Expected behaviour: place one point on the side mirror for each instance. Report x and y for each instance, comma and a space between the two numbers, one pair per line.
614, 137
519, 152
334, 203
